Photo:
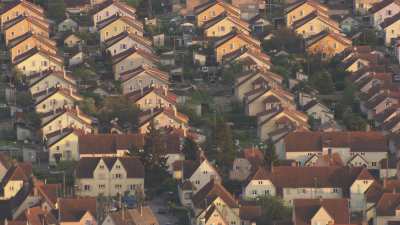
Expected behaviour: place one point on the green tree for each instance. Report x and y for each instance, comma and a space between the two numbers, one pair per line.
284, 39
224, 146
24, 99
322, 81
153, 157
270, 156
56, 10
190, 149
119, 107
88, 105
353, 121
273, 209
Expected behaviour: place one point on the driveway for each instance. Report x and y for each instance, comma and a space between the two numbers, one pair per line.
158, 203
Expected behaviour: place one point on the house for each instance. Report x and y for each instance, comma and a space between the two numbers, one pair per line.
109, 176
72, 40
108, 145
142, 77
35, 215
37, 60
126, 40
109, 8
58, 98
386, 210
213, 204
23, 24
383, 10
223, 24
388, 168
20, 7
62, 145
64, 118
17, 176
389, 29
27, 41
117, 24
357, 59
163, 118
363, 6
278, 122
197, 173
131, 59
151, 98
291, 183
248, 56
314, 211
232, 42
207, 11
315, 23
328, 44
302, 8
349, 24
77, 210
319, 111
5, 165
246, 164
139, 216
49, 80
259, 24
77, 57
351, 146
48, 194
254, 79
68, 25
267, 98
378, 104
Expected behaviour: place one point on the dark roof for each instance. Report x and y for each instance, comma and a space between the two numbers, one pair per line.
311, 16
315, 38
389, 21
26, 55
152, 71
123, 55
135, 24
223, 16
315, 4
314, 141
115, 39
202, 7
109, 143
188, 167
76, 3
72, 209
382, 4
221, 40
209, 192
132, 165
305, 209
33, 8
388, 204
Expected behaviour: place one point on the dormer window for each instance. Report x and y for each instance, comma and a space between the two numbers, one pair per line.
101, 166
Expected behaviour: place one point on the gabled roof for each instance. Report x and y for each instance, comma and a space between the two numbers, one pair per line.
241, 51
72, 209
24, 56
210, 192
36, 78
234, 33
123, 55
55, 137
109, 143
122, 6
298, 177
44, 25
388, 204
132, 165
32, 7
113, 40
64, 92
315, 15
161, 92
355, 140
151, 71
339, 38
305, 209
76, 114
317, 6
188, 167
237, 21
381, 5
169, 112
43, 40
389, 21
50, 192
228, 7
267, 75
131, 22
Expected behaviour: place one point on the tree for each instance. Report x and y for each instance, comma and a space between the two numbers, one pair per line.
56, 10
24, 99
224, 148
88, 105
273, 209
270, 156
284, 39
322, 81
153, 156
119, 107
190, 149
353, 121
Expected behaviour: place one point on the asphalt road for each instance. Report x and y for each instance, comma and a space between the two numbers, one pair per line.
160, 203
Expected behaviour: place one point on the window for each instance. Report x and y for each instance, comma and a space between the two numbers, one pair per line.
205, 172
102, 186
266, 192
197, 182
335, 190
132, 187
231, 46
101, 166
86, 187
260, 182
365, 182
118, 186
118, 175
301, 13
118, 166
311, 28
254, 192
222, 28
373, 163
389, 12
